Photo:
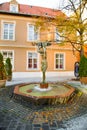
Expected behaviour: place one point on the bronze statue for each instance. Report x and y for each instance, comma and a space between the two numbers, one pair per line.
42, 50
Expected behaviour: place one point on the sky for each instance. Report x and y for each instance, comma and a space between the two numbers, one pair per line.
54, 4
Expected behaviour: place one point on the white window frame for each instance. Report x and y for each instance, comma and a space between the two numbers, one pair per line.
38, 31
2, 29
12, 61
55, 61
58, 37
13, 7
37, 61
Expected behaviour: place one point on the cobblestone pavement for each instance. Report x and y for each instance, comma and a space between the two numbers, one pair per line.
15, 115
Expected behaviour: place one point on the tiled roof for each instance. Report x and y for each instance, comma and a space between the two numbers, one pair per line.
31, 10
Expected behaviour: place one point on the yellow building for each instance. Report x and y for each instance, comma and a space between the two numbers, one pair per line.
17, 37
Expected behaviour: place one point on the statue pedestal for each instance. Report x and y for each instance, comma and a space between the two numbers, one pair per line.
43, 85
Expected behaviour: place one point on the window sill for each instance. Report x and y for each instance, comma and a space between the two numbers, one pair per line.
33, 70
59, 69
8, 40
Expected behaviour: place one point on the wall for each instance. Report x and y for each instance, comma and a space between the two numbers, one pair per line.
20, 46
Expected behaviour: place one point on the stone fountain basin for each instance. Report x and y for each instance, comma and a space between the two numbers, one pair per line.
56, 91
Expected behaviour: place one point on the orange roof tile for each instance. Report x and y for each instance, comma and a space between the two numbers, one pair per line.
32, 10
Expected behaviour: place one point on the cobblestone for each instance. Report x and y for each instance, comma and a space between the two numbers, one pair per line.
16, 115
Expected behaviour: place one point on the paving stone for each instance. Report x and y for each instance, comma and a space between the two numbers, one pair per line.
11, 129
36, 125
45, 124
1, 119
13, 124
53, 124
20, 127
3, 128
36, 129
28, 127
53, 129
45, 127
5, 123
20, 116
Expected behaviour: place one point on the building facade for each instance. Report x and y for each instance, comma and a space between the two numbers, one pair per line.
17, 38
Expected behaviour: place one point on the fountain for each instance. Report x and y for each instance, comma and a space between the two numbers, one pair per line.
44, 92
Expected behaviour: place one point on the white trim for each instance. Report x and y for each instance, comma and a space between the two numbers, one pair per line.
63, 73
25, 46
2, 29
20, 46
38, 68
39, 74
55, 60
57, 35
28, 33
60, 36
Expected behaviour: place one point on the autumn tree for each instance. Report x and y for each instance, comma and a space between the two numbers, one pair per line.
73, 28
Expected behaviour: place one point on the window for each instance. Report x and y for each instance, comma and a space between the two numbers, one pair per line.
9, 54
59, 36
59, 58
32, 60
32, 33
13, 8
8, 31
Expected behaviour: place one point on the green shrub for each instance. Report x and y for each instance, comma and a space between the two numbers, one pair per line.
83, 67
8, 67
2, 68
